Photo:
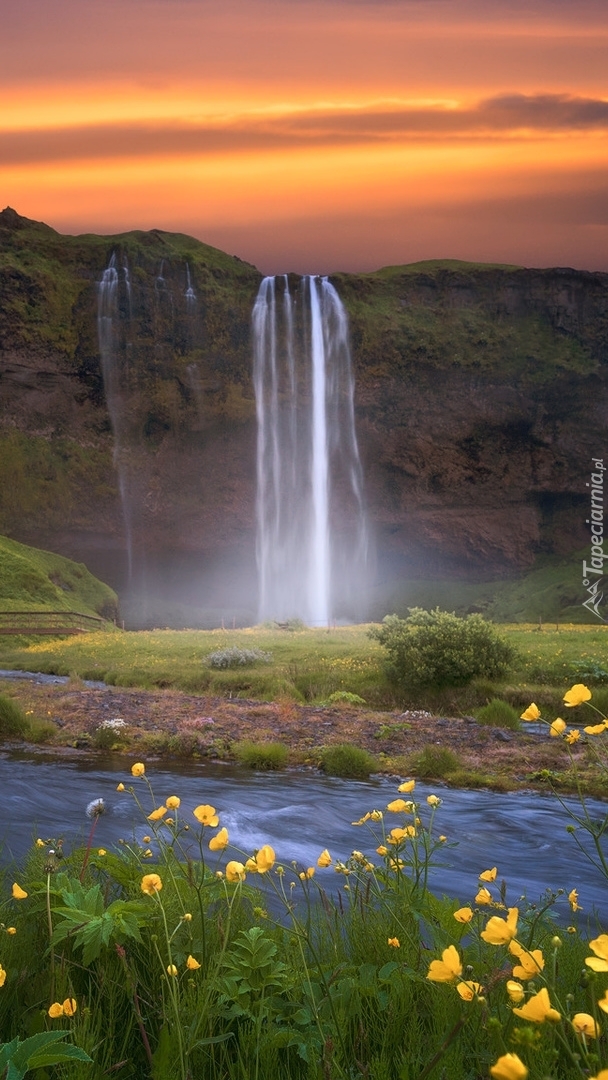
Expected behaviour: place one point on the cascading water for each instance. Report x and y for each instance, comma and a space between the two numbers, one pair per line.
312, 540
189, 293
107, 332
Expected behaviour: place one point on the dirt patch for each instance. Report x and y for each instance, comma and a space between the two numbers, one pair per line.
170, 723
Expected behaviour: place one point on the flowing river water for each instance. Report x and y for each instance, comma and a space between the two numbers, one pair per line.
300, 813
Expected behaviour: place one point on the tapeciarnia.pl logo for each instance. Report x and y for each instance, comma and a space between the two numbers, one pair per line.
593, 571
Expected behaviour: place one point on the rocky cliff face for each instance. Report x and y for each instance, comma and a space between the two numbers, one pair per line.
481, 396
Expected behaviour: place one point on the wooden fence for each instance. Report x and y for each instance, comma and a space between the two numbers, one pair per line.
48, 622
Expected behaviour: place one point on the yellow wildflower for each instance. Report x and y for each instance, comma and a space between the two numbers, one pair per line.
573, 900
501, 931
324, 858
407, 787
483, 896
599, 946
469, 990
603, 1002
509, 1067
18, 892
531, 962
394, 942
102, 851
602, 1075
557, 727
572, 736
171, 970
596, 729
157, 814
463, 915
515, 991
151, 884
376, 815
192, 964
206, 815
584, 1024
362, 820
382, 850
219, 841
576, 695
235, 871
146, 839
148, 853
397, 806
396, 836
265, 858
56, 1010
40, 843
433, 800
173, 802
2, 976
448, 968
11, 930
120, 787
187, 917
489, 875
308, 873
69, 1006
538, 1008
531, 713
138, 769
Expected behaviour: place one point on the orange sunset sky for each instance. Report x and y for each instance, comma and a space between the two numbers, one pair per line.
314, 135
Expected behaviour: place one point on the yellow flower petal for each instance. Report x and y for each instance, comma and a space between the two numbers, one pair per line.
463, 915
56, 1010
171, 970
572, 736
2, 976
235, 871
18, 892
483, 896
573, 900
538, 1008
151, 884
584, 1024
515, 991
489, 875
469, 990
219, 841
206, 815
595, 729
173, 802
264, 859
69, 1006
394, 942
324, 859
397, 806
11, 930
120, 787
557, 727
603, 1002
501, 931
138, 769
407, 787
576, 695
157, 814
448, 969
433, 800
531, 713
509, 1067
192, 964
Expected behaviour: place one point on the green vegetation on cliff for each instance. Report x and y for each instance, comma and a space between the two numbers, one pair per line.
34, 580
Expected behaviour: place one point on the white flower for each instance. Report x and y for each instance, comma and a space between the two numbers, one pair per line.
96, 808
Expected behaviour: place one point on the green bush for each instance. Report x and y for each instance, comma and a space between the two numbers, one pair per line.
13, 720
498, 713
348, 761
436, 648
344, 697
260, 755
435, 762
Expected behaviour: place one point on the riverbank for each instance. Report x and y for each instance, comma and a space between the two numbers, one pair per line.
168, 724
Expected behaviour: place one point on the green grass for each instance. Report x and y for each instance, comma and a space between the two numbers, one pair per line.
498, 713
35, 580
260, 755
348, 761
308, 665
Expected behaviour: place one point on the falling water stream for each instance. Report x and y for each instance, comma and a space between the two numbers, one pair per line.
300, 813
312, 535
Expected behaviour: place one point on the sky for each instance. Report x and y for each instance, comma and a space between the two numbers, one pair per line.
314, 135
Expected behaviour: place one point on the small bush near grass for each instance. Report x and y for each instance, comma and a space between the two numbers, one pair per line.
436, 648
261, 755
344, 697
435, 762
348, 761
13, 720
234, 658
498, 713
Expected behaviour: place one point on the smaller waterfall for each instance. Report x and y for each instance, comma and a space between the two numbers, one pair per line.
107, 333
312, 539
189, 293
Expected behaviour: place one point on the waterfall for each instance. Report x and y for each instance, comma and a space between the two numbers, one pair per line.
107, 333
312, 540
189, 293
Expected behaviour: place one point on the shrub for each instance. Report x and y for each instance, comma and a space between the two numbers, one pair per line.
347, 761
498, 713
260, 755
436, 648
344, 697
13, 720
234, 658
435, 762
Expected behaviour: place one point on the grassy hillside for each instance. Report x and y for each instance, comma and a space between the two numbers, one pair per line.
33, 580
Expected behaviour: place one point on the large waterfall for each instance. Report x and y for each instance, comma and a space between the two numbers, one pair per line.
107, 332
312, 543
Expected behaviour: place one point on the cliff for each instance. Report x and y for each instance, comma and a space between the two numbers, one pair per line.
481, 396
